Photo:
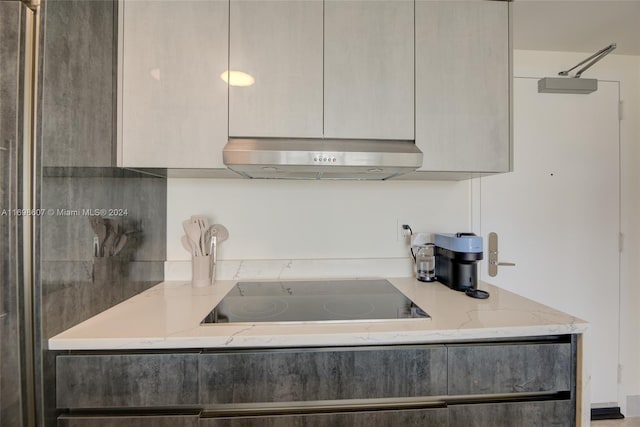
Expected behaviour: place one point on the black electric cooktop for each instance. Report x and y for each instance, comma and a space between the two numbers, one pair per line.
314, 301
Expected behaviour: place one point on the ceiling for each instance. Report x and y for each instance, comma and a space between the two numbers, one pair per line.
577, 25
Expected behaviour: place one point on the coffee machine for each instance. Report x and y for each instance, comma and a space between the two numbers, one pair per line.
457, 256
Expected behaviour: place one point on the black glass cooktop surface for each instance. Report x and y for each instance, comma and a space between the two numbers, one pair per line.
314, 301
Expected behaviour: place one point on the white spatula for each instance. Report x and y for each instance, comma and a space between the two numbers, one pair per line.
193, 233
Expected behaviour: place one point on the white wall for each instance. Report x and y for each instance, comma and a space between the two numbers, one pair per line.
315, 219
625, 69
630, 266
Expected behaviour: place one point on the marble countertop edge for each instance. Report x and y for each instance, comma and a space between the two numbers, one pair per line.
313, 340
168, 316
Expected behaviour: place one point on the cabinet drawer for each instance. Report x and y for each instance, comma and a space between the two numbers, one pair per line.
514, 368
523, 414
322, 374
137, 380
404, 418
128, 421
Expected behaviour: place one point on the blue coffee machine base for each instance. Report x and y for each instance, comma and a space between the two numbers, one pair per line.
457, 257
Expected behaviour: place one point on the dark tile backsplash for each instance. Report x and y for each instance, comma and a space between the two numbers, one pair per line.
135, 202
75, 281
77, 143
78, 139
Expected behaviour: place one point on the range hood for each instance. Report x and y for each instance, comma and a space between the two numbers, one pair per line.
301, 158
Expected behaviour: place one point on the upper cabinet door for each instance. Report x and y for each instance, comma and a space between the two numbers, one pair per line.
369, 69
174, 103
462, 85
279, 44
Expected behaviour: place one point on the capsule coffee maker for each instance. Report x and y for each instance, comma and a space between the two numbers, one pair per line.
457, 257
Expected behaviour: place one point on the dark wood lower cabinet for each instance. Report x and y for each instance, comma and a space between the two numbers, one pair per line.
508, 414
322, 374
516, 383
521, 414
126, 380
509, 368
403, 418
129, 421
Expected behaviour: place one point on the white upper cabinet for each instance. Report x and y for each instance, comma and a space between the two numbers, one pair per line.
369, 69
463, 85
173, 101
437, 72
279, 44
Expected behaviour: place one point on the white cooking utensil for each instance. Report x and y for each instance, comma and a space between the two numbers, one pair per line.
186, 244
213, 253
220, 231
215, 230
216, 234
207, 240
203, 223
200, 219
193, 233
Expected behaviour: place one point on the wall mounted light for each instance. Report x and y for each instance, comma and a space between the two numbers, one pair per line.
237, 78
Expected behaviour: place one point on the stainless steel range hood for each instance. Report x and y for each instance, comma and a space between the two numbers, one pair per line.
299, 158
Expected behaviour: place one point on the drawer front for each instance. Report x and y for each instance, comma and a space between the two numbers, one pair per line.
404, 418
129, 421
514, 368
139, 380
524, 414
281, 376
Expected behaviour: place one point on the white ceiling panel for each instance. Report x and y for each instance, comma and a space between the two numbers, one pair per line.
577, 26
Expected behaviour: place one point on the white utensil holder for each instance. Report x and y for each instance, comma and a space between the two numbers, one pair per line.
201, 271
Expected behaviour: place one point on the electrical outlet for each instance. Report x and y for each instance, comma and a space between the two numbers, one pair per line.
399, 231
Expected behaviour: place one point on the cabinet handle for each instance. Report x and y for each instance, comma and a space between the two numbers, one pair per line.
323, 406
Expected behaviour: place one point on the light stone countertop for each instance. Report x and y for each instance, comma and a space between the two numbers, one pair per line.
168, 316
